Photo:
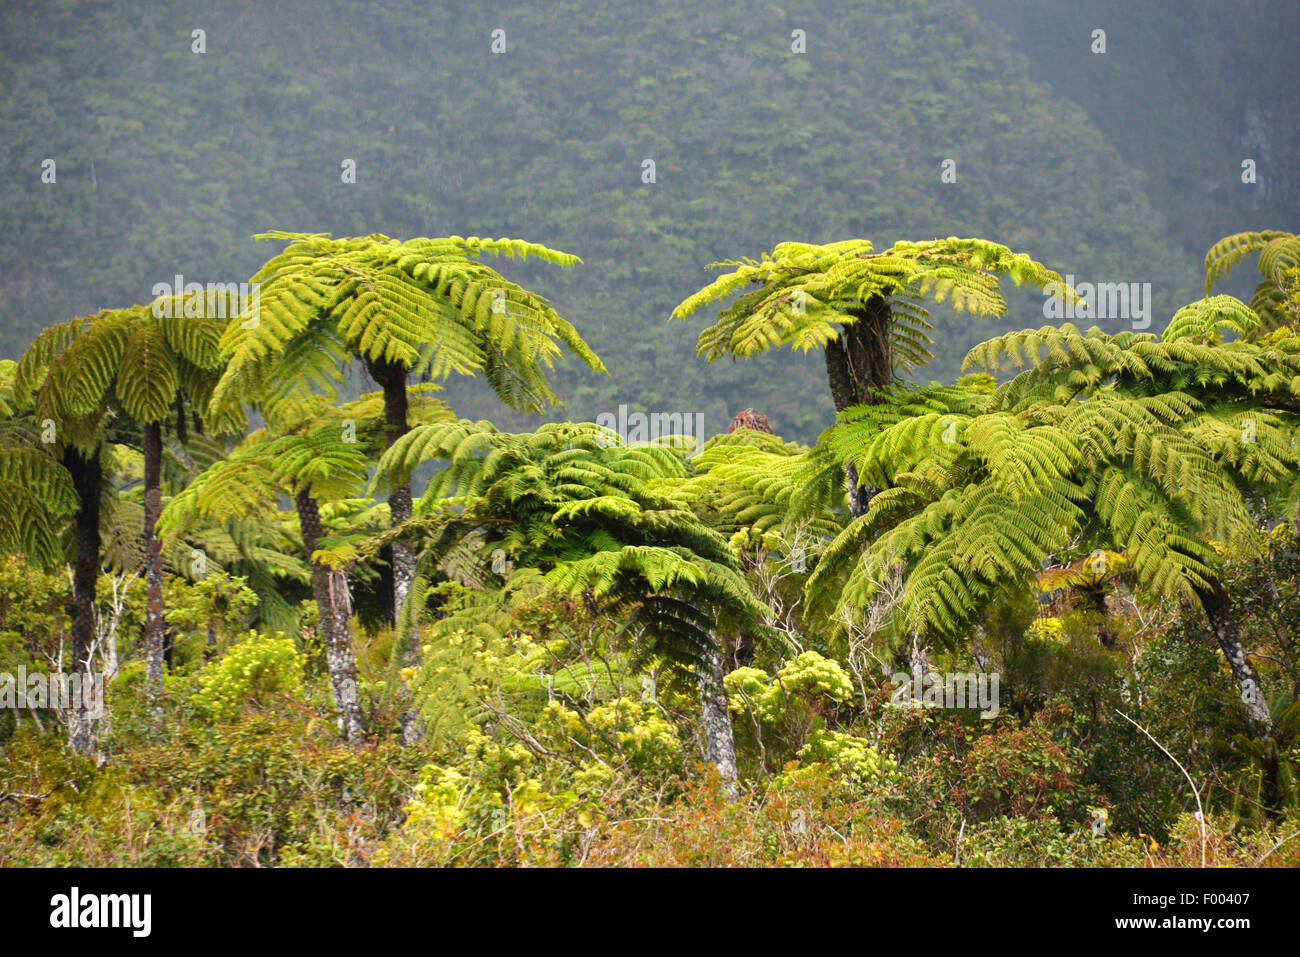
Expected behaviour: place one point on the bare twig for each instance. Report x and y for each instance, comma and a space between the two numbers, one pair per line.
1275, 847
1200, 812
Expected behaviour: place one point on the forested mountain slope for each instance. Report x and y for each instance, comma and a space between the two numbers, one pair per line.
1161, 85
168, 160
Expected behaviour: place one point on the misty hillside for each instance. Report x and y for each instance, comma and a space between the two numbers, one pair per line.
168, 161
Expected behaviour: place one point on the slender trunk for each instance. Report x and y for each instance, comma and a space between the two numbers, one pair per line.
918, 660
399, 506
181, 436
108, 654
1218, 609
1096, 599
154, 624
391, 377
87, 478
412, 729
844, 395
858, 363
719, 744
1275, 611
330, 588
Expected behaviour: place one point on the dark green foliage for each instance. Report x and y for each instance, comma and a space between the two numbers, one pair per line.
844, 141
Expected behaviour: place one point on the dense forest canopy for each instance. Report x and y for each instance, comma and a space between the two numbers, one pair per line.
168, 162
649, 434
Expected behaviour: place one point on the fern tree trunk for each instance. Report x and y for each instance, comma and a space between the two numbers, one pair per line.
330, 588
391, 377
154, 625
1218, 609
88, 479
1095, 599
857, 363
844, 394
715, 719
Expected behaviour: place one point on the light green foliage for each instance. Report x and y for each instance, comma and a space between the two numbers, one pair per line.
858, 763
304, 448
1151, 452
1049, 628
808, 677
37, 495
590, 515
32, 614
473, 650
805, 290
428, 306
774, 489
1279, 257
513, 649
8, 406
257, 672
436, 806
627, 734
574, 756
81, 371
1292, 305
36, 492
232, 508
215, 600
1206, 321
813, 675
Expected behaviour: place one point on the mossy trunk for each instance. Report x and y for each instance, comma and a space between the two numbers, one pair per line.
88, 479
391, 378
715, 719
858, 364
330, 588
155, 625
1219, 611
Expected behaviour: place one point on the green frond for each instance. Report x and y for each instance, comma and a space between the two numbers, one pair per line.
1229, 251
1125, 443
804, 290
1279, 258
43, 476
147, 378
28, 525
427, 305
1206, 321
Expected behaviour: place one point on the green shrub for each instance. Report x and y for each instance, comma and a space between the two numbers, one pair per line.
253, 674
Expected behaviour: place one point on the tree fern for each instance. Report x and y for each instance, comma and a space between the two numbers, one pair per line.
1279, 254
599, 520
423, 306
864, 308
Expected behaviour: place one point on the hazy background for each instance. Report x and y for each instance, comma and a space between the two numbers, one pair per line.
1118, 167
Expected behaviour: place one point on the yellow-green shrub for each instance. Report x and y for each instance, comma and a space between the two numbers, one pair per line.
252, 674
